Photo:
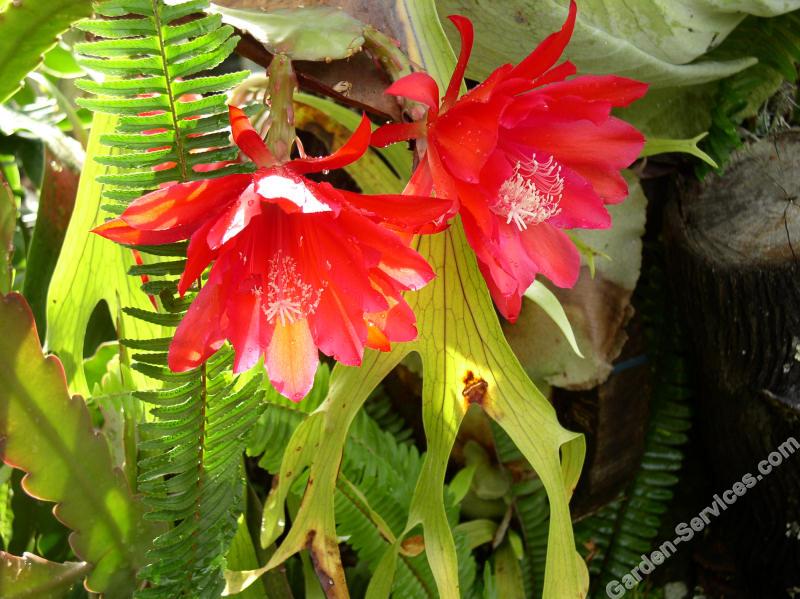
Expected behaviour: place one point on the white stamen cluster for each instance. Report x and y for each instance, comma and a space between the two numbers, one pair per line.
288, 297
532, 194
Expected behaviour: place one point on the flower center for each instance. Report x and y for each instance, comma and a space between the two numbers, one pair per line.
532, 194
288, 297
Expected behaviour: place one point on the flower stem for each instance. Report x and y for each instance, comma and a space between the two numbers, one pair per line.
281, 87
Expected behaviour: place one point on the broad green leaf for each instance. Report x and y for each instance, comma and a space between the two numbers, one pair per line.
67, 149
60, 62
28, 29
6, 509
322, 433
31, 576
312, 33
547, 301
476, 532
8, 224
490, 482
91, 269
668, 52
49, 435
656, 42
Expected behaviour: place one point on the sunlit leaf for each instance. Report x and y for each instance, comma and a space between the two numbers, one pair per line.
90, 270
27, 30
609, 36
49, 435
56, 201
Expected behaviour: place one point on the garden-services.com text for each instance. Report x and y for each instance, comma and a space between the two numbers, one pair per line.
686, 531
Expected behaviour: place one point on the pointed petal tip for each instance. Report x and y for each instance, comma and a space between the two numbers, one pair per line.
467, 33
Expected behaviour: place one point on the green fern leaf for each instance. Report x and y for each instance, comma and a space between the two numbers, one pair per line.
173, 120
776, 44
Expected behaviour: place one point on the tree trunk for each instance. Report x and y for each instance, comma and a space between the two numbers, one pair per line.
734, 246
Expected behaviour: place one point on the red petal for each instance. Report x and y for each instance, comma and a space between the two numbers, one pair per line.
117, 230
398, 323
549, 51
619, 91
294, 193
248, 329
421, 182
376, 338
350, 151
199, 256
338, 328
292, 359
405, 213
554, 253
596, 153
396, 259
466, 135
419, 87
235, 219
248, 139
345, 263
559, 73
199, 334
394, 132
580, 205
464, 27
184, 204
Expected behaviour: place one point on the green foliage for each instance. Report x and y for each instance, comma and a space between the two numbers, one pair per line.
91, 270
776, 44
533, 514
49, 435
190, 472
32, 576
27, 30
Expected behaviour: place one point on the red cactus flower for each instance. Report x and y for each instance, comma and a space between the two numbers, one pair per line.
527, 153
297, 265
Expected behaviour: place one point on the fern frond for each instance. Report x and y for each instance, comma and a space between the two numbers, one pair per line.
172, 121
379, 408
172, 117
776, 44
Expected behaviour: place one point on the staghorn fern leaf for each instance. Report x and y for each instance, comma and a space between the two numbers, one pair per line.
172, 127
373, 491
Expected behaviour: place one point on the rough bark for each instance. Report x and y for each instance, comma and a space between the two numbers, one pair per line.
733, 246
